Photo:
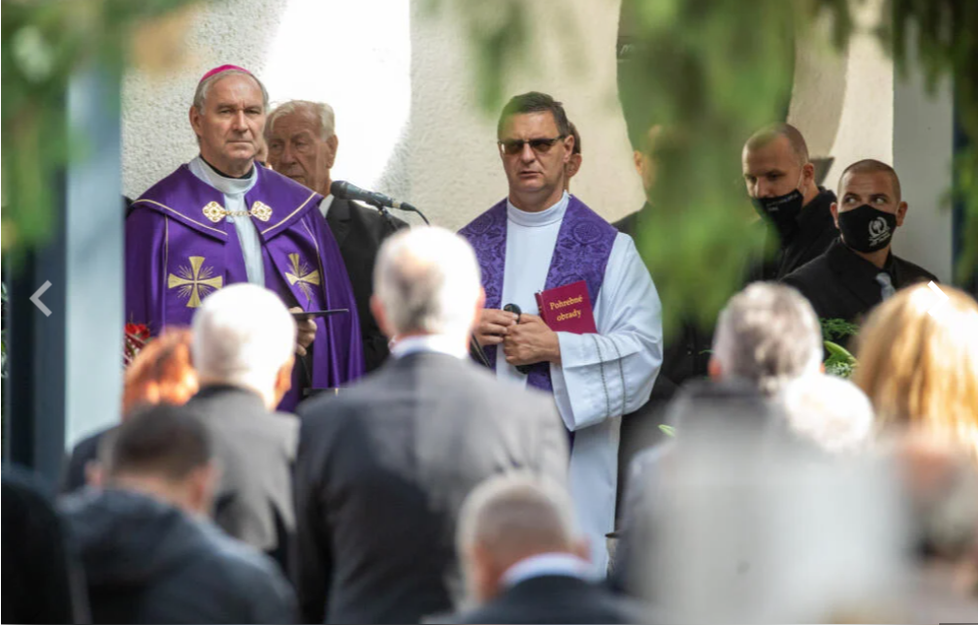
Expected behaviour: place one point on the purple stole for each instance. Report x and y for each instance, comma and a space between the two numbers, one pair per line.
583, 247
177, 254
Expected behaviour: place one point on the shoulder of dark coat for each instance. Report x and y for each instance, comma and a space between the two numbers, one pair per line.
809, 273
915, 272
249, 569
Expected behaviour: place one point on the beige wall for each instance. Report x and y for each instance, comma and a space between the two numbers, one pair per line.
402, 84
857, 105
406, 109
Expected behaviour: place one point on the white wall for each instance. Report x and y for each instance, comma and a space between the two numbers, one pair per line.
865, 129
156, 134
401, 83
923, 145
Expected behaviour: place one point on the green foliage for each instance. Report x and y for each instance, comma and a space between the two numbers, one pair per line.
46, 42
840, 362
711, 72
837, 329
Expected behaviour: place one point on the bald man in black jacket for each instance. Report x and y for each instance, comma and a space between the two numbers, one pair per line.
859, 270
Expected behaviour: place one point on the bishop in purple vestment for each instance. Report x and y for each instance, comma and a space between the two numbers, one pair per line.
223, 218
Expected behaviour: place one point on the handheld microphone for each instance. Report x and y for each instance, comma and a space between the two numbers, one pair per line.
513, 308
348, 191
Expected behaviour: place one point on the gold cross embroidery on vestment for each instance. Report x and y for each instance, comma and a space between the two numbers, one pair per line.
195, 282
302, 275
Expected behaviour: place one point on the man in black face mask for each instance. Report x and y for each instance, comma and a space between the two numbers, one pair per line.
858, 271
781, 182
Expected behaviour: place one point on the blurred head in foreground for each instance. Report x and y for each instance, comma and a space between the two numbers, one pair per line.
161, 372
768, 335
427, 283
918, 363
829, 411
507, 519
244, 336
940, 483
162, 451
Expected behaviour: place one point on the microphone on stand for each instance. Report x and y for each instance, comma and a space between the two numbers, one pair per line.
347, 191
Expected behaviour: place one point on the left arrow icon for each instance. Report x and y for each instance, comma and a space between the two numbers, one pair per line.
36, 298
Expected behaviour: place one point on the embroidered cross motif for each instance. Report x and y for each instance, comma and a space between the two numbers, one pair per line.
302, 275
215, 212
195, 281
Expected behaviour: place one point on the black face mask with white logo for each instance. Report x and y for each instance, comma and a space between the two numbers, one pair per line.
782, 211
867, 229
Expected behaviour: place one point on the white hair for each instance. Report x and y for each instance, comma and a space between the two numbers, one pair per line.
242, 335
204, 86
320, 110
830, 411
427, 280
768, 335
516, 515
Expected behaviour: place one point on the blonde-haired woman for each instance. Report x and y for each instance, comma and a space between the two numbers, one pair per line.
918, 363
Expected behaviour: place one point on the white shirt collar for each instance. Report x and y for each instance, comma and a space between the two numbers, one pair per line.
545, 217
544, 564
325, 204
439, 343
227, 186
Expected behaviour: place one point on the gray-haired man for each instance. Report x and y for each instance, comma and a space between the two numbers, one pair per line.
383, 467
302, 145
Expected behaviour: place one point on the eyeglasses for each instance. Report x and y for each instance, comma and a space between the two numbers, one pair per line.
540, 146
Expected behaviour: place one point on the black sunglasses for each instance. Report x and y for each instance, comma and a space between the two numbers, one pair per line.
540, 146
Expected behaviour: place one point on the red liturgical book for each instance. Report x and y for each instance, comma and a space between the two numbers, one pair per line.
567, 308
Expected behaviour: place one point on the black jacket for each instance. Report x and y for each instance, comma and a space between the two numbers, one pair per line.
840, 284
148, 562
382, 471
814, 233
84, 451
41, 580
685, 356
359, 231
557, 599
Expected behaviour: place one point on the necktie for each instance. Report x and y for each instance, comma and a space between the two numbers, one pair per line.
886, 285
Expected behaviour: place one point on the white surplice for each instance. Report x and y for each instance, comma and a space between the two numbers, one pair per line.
234, 190
601, 376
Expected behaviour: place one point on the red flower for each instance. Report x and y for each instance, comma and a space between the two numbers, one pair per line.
136, 337
138, 330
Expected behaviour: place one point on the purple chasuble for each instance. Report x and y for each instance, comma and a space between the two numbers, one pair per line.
179, 250
583, 247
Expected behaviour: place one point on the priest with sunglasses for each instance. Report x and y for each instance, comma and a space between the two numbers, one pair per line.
540, 238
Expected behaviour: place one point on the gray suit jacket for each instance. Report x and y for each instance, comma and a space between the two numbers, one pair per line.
255, 450
382, 472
